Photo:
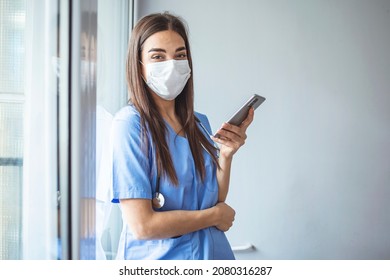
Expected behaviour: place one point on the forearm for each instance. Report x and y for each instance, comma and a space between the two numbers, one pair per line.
231, 138
149, 224
223, 177
175, 223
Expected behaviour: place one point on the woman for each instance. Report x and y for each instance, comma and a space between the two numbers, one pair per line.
170, 179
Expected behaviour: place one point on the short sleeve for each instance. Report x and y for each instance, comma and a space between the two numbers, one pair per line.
130, 163
205, 122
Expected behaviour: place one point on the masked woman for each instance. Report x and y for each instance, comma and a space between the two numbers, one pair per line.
169, 177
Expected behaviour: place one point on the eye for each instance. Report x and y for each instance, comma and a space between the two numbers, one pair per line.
157, 57
181, 56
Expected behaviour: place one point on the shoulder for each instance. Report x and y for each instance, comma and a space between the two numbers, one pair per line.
201, 117
203, 120
126, 122
128, 114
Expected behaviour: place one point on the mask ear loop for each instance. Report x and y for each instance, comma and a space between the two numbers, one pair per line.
141, 74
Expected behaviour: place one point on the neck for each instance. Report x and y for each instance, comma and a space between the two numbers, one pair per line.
165, 107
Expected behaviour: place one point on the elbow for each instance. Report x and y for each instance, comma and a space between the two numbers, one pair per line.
140, 219
141, 232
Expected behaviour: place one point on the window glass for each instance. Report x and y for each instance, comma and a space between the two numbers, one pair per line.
12, 33
28, 129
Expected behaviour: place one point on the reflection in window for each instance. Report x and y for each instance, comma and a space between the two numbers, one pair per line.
111, 95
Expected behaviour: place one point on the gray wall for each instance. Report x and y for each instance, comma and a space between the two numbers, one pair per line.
313, 180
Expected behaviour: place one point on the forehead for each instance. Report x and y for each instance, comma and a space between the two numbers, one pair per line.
166, 39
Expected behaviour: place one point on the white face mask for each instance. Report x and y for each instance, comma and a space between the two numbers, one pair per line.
168, 78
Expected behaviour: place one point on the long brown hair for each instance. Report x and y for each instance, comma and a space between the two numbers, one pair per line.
184, 103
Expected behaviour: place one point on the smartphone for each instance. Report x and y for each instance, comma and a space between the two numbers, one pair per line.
239, 116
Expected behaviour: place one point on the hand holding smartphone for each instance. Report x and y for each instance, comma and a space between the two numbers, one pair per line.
239, 116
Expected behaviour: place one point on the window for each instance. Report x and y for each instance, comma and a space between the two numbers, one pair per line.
62, 78
12, 97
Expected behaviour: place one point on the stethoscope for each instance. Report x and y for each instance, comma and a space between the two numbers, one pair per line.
158, 200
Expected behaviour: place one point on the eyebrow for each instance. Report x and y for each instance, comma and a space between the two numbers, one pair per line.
164, 51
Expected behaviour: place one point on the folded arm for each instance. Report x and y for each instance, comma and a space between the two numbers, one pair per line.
145, 223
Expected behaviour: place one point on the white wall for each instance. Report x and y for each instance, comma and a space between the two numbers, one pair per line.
313, 180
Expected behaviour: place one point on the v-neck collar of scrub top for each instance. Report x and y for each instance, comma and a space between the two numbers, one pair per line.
173, 131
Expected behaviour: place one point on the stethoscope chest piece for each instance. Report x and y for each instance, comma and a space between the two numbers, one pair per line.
158, 201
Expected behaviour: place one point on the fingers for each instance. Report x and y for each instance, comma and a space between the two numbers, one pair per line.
226, 133
233, 137
223, 140
249, 119
226, 216
230, 133
232, 129
227, 130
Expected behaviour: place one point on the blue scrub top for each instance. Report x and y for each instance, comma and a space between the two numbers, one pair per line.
134, 176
